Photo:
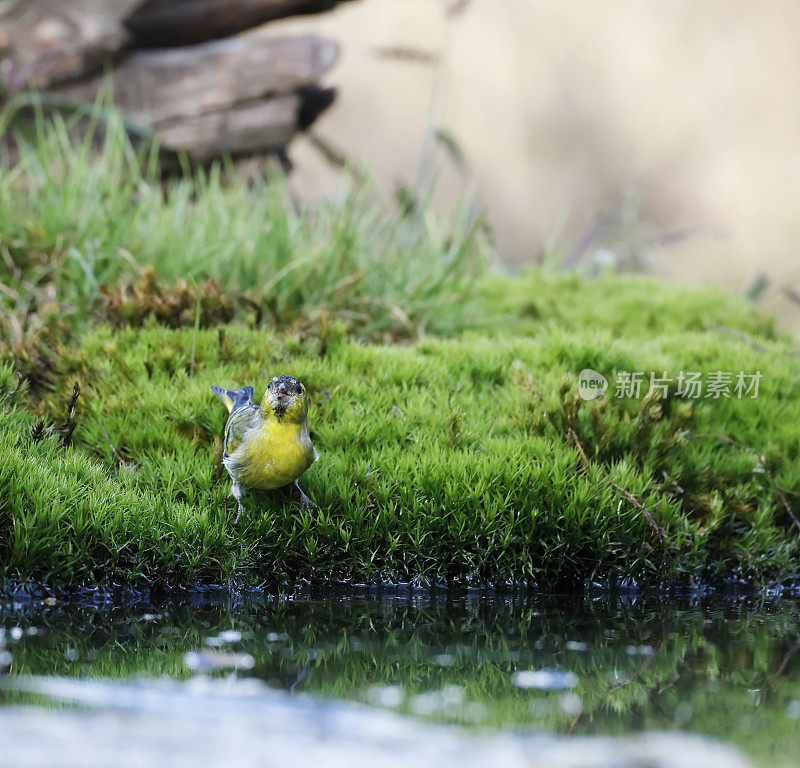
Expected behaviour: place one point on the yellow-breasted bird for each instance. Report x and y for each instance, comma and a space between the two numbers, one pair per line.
267, 446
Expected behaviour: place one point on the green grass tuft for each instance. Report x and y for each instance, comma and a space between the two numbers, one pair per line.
73, 221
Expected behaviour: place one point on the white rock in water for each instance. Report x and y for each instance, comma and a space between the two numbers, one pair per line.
230, 722
386, 696
544, 679
225, 637
199, 661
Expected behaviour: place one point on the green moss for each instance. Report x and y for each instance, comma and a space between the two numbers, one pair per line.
629, 305
492, 469
76, 221
465, 457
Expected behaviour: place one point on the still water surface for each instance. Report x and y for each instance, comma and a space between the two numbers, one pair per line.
726, 668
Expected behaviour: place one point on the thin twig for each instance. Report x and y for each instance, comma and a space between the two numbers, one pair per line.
66, 429
655, 528
457, 8
593, 233
738, 335
778, 489
784, 661
791, 293
111, 446
658, 532
678, 235
577, 443
336, 157
21, 378
407, 53
726, 439
76, 391
743, 337
643, 665
789, 510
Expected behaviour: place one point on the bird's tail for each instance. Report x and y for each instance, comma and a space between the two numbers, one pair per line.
234, 398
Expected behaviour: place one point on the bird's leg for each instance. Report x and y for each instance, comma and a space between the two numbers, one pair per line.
236, 492
305, 502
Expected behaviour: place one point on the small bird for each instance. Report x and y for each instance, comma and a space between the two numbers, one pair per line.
267, 446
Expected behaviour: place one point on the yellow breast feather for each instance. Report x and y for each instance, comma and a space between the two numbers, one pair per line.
272, 455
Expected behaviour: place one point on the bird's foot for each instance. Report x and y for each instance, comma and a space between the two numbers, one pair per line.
236, 492
238, 514
305, 502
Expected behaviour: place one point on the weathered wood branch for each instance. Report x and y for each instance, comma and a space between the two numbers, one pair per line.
162, 23
44, 42
239, 95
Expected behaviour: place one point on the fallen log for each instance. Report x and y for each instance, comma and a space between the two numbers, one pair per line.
45, 42
163, 23
49, 42
238, 95
241, 95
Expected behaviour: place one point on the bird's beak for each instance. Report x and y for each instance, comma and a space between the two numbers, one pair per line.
282, 392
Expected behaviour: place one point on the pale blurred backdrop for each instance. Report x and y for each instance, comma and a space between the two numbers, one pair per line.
660, 134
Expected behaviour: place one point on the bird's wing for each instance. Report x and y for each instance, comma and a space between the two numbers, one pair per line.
234, 398
241, 419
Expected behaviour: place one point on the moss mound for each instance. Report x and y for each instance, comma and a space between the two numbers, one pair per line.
469, 460
461, 453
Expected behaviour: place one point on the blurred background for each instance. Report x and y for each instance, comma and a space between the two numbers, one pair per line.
660, 136
648, 136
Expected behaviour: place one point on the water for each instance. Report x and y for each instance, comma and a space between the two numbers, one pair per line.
472, 678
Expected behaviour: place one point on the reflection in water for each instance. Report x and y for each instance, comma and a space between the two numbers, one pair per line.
727, 668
